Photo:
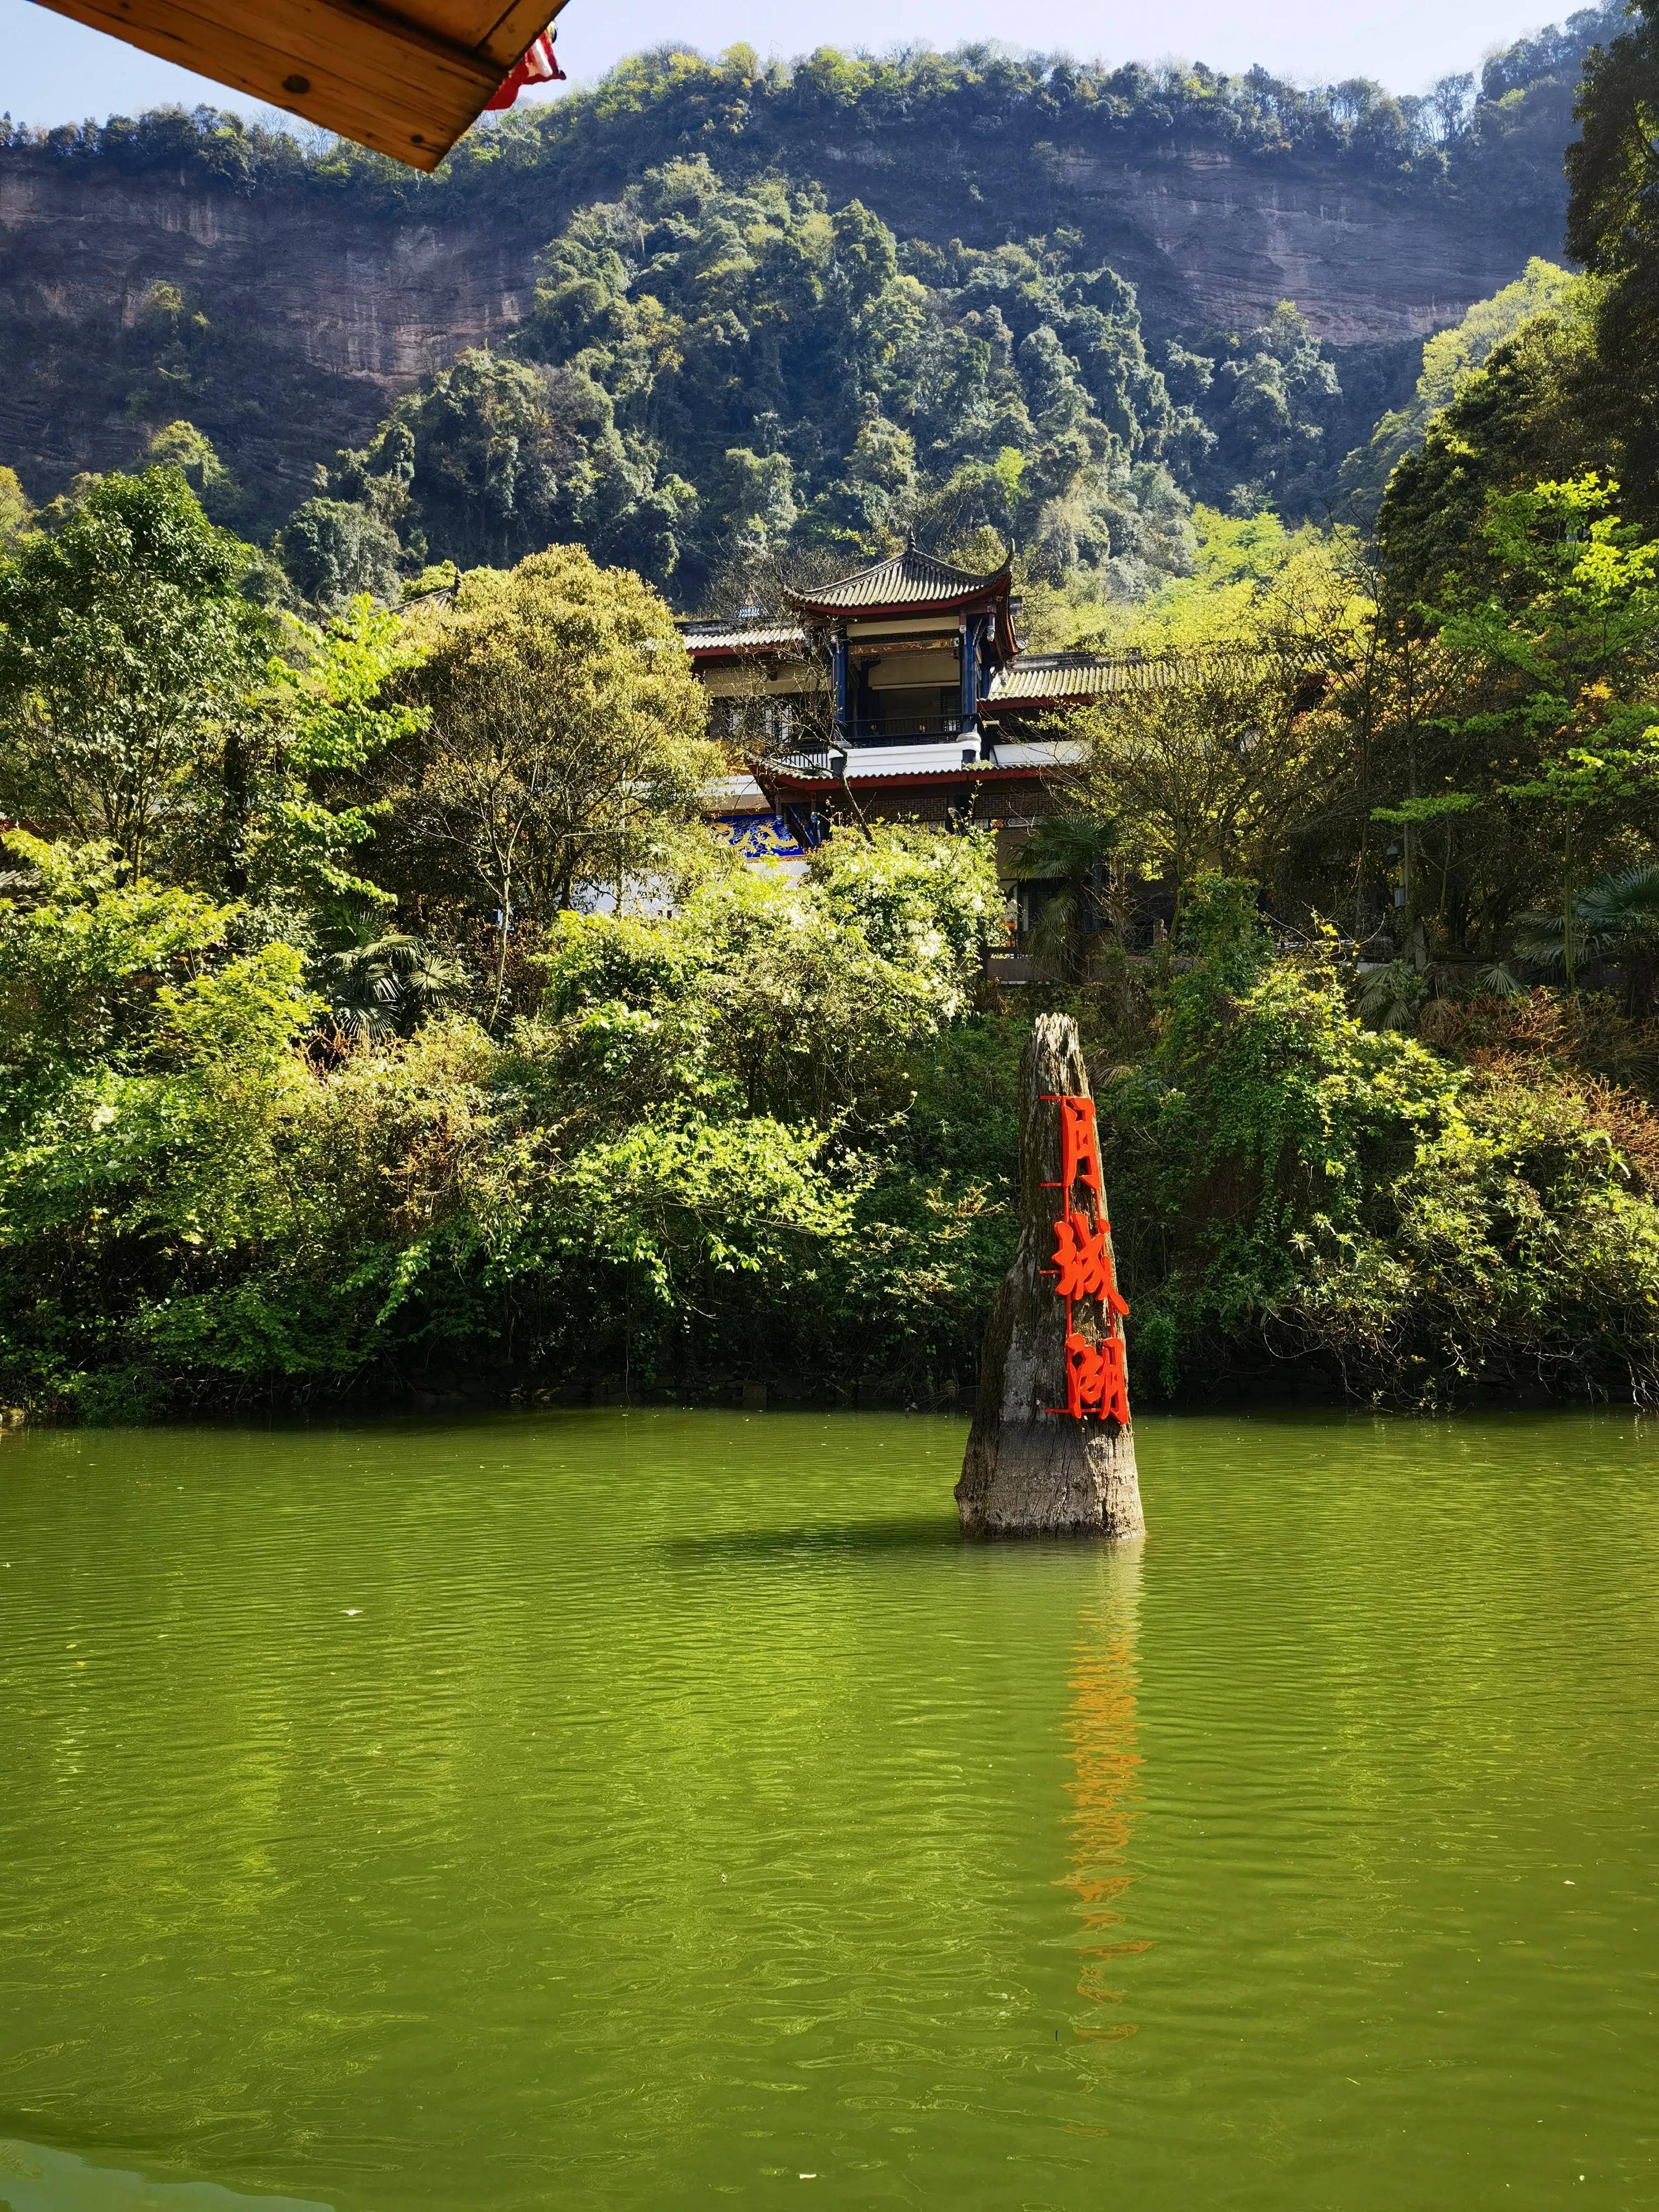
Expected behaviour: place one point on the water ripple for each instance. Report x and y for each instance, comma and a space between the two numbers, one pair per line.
623, 1809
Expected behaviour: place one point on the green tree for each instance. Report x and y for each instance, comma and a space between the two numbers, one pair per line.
1069, 855
923, 901
82, 955
567, 736
1288, 1186
1612, 228
127, 656
496, 457
330, 713
1570, 644
150, 1071
1523, 419
1615, 916
1215, 760
15, 512
714, 372
1450, 358
333, 549
1272, 403
1574, 388
181, 446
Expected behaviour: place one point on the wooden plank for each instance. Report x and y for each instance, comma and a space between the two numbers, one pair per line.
523, 21
374, 77
456, 22
396, 99
500, 29
360, 44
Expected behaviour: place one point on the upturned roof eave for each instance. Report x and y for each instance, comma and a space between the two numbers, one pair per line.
988, 589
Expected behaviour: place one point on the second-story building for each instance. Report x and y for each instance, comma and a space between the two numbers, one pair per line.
898, 693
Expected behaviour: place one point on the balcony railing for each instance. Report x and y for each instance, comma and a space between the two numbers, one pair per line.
811, 760
900, 728
816, 758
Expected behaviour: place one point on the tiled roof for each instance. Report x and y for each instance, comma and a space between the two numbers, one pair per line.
1039, 676
910, 579
743, 637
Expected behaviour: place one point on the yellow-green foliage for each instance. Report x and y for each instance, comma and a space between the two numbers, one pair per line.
1450, 358
16, 511
766, 1135
676, 1164
564, 732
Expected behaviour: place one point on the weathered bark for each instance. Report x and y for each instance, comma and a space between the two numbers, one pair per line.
1030, 1471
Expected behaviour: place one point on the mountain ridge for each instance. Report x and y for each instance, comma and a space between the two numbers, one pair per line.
192, 267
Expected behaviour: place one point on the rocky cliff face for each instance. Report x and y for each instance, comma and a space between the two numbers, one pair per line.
298, 319
1211, 241
286, 321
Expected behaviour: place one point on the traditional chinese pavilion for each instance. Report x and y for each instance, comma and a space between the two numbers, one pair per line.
899, 693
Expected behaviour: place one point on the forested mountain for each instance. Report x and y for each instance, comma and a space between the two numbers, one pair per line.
708, 311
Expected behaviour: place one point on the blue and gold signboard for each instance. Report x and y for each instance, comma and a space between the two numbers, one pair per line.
761, 840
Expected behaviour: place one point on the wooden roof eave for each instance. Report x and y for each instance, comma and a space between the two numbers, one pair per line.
984, 589
965, 603
1045, 702
897, 609
406, 82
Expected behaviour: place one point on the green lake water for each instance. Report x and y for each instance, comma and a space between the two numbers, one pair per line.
650, 1809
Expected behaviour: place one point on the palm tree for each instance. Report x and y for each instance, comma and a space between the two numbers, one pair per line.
1069, 853
1391, 997
385, 981
1614, 918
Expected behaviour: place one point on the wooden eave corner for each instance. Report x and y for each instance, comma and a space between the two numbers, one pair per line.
407, 83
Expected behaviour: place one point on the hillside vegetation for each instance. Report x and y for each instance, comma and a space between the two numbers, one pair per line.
961, 252
1496, 140
376, 1015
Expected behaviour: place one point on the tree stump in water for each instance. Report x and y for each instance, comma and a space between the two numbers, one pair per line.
1033, 1467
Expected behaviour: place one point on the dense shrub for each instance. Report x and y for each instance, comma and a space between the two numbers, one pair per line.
668, 1172
1292, 1189
766, 1135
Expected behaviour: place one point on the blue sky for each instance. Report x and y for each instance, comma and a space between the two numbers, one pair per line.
55, 71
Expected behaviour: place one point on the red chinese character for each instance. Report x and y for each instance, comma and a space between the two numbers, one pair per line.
1080, 1150
1082, 1261
1095, 1380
